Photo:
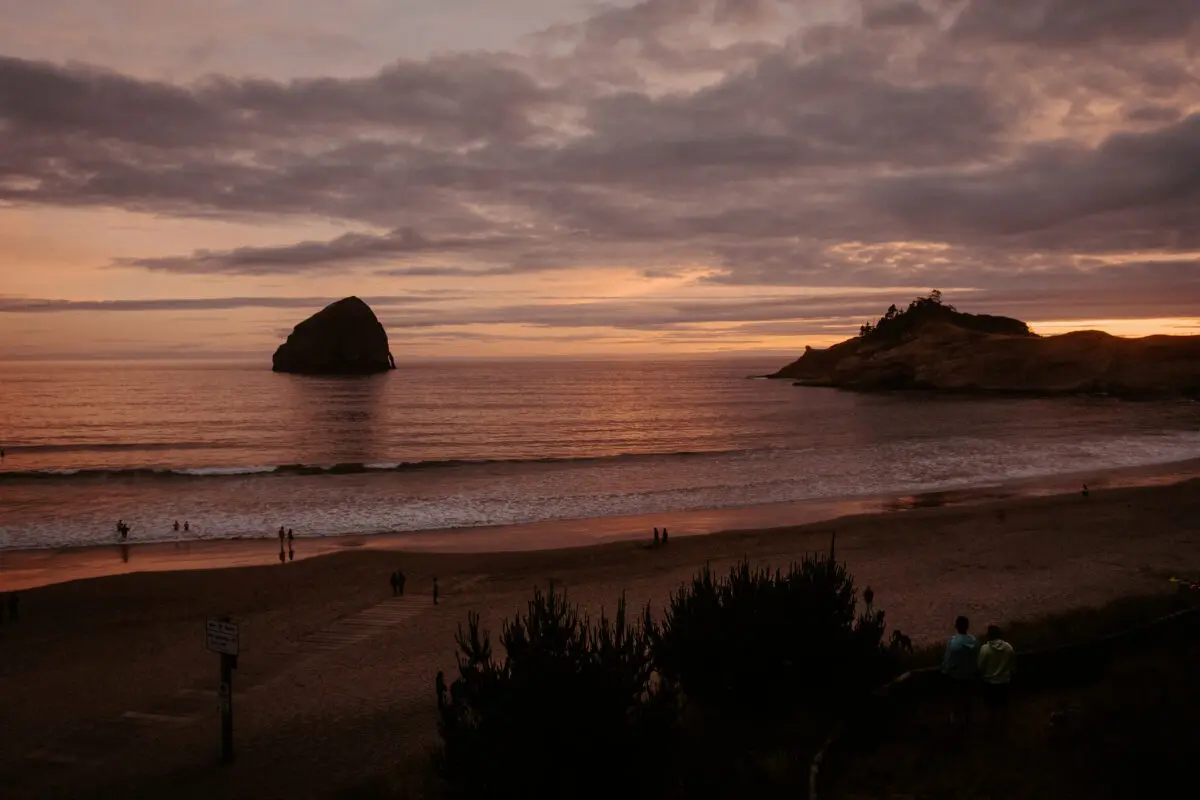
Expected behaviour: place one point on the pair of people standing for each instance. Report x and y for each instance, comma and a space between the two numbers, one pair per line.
969, 666
285, 534
398, 579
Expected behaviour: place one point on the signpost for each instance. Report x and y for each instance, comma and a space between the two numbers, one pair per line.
221, 636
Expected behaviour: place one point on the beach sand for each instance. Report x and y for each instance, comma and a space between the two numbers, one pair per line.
108, 691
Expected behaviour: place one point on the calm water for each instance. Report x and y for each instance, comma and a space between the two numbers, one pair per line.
238, 450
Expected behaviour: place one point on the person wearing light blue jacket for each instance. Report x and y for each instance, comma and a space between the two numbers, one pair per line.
960, 666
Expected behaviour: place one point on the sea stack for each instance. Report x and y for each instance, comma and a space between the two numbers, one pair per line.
344, 338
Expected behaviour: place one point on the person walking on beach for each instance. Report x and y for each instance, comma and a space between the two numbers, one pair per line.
282, 534
996, 661
960, 668
656, 539
664, 537
435, 590
439, 684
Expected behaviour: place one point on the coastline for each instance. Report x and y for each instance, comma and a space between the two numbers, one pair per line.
23, 569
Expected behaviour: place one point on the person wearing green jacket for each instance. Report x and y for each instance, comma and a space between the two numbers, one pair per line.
996, 661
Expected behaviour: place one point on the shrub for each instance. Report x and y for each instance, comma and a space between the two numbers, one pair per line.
571, 711
756, 644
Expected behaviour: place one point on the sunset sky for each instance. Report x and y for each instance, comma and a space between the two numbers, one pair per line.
551, 177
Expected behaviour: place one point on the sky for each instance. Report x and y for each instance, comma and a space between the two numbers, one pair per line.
565, 178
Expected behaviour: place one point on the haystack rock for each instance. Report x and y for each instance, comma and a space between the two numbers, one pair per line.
344, 338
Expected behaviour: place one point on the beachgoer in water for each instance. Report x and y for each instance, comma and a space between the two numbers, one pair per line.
656, 540
187, 526
664, 537
960, 668
439, 683
177, 526
395, 581
435, 591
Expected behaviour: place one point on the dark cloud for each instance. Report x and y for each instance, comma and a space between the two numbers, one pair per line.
27, 305
895, 14
349, 248
1075, 23
1138, 191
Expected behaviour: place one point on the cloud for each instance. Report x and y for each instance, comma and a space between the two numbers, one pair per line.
26, 305
989, 145
349, 248
1077, 23
1134, 191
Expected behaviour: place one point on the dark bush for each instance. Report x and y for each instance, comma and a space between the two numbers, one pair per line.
572, 710
759, 644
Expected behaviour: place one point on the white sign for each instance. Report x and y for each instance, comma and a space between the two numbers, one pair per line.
222, 637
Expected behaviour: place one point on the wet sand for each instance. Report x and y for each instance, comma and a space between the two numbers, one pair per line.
335, 679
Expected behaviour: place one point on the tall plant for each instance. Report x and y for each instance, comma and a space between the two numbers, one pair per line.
759, 643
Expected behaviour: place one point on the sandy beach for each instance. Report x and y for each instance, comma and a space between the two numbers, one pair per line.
109, 691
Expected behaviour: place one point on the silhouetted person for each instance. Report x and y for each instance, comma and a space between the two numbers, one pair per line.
996, 661
435, 591
282, 535
177, 526
664, 537
395, 581
400, 581
121, 528
187, 526
656, 540
960, 668
439, 683
14, 606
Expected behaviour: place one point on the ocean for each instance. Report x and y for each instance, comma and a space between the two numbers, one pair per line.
237, 451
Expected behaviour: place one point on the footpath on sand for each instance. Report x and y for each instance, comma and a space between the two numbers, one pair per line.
91, 755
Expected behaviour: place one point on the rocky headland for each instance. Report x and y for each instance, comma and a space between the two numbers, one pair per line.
344, 338
933, 346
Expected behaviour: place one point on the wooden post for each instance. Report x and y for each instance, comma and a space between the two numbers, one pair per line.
225, 701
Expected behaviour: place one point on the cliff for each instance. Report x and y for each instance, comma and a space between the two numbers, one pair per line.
344, 338
933, 346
